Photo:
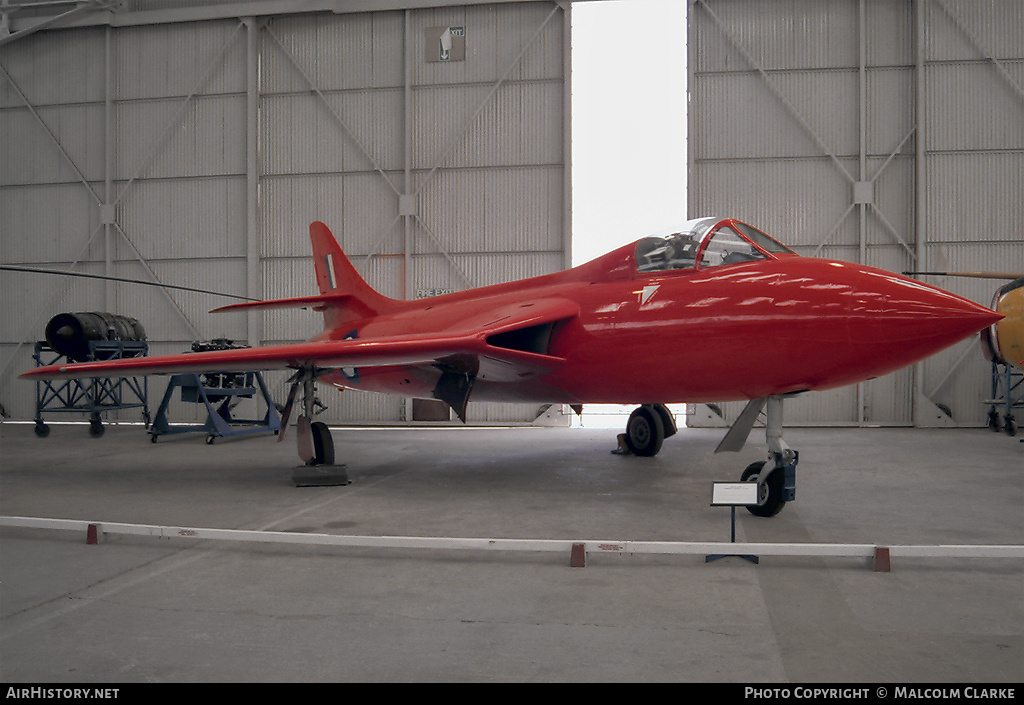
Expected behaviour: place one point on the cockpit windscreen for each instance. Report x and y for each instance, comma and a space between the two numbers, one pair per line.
705, 242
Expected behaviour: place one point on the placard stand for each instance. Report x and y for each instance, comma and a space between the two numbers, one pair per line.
733, 494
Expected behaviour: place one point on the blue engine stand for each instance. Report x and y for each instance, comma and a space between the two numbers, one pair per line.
229, 388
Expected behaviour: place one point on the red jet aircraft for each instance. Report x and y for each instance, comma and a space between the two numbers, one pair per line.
718, 311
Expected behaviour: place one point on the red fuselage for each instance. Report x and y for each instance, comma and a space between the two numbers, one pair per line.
736, 331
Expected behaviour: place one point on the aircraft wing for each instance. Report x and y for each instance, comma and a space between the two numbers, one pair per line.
497, 358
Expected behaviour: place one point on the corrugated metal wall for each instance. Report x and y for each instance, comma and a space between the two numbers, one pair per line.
888, 132
215, 143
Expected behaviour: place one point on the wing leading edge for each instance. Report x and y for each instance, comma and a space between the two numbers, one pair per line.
487, 343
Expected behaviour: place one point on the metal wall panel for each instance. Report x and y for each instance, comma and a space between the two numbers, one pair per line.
41, 224
168, 138
28, 152
794, 102
331, 105
773, 194
157, 61
956, 28
470, 208
778, 37
968, 197
357, 51
509, 129
973, 107
186, 219
58, 67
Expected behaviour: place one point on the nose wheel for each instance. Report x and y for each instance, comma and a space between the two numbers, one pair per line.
774, 491
778, 486
776, 476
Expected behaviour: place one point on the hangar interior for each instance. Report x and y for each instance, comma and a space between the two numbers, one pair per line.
182, 143
192, 143
889, 133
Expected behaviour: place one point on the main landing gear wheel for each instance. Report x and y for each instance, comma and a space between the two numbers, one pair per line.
648, 427
314, 440
770, 495
323, 444
645, 432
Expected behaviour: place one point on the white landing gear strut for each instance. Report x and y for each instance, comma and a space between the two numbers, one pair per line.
776, 476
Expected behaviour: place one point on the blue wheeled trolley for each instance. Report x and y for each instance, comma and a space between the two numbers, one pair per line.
219, 392
95, 395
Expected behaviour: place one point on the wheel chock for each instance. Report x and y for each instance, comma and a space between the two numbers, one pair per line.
882, 559
320, 476
578, 556
623, 447
92, 535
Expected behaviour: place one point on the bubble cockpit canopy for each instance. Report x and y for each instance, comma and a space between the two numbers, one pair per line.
706, 242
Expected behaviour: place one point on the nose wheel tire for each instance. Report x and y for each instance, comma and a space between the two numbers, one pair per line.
769, 494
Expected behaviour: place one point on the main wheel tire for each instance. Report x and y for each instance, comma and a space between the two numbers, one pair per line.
645, 432
769, 496
323, 444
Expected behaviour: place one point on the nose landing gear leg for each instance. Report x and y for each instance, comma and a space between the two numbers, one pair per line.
776, 476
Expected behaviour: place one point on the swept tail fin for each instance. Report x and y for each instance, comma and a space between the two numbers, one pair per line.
351, 297
344, 294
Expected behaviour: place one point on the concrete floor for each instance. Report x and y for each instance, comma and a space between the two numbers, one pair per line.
139, 609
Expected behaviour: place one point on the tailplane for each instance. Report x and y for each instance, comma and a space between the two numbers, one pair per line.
344, 295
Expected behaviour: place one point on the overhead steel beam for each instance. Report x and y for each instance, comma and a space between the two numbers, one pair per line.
109, 12
32, 26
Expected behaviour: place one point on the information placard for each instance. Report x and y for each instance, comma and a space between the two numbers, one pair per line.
733, 494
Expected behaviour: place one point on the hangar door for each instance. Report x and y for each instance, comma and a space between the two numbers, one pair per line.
885, 132
183, 144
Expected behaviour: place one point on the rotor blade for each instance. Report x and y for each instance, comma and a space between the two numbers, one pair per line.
58, 272
737, 434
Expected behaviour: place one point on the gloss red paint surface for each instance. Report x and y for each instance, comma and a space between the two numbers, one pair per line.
610, 332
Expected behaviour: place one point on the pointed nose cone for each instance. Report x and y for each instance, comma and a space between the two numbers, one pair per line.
909, 319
